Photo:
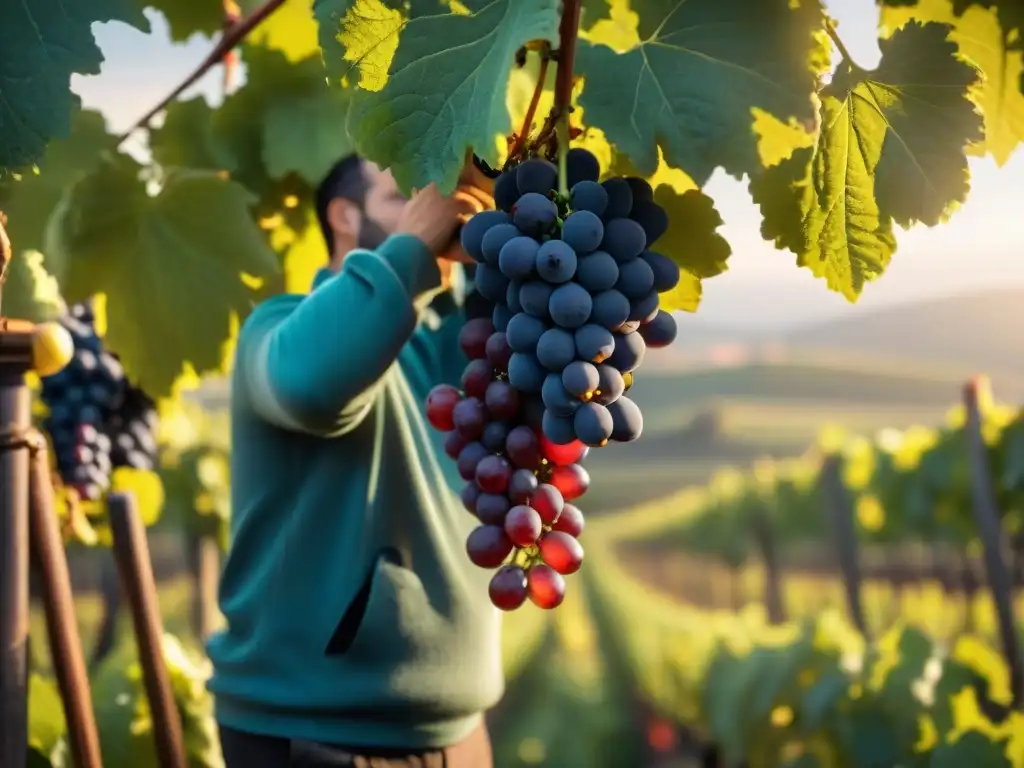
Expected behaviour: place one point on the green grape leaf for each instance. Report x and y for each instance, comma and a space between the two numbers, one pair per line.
972, 748
30, 292
891, 149
42, 45
171, 264
29, 199
305, 134
291, 29
447, 73
189, 17
691, 86
187, 139
981, 38
692, 242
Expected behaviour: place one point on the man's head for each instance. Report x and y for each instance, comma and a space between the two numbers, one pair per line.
358, 206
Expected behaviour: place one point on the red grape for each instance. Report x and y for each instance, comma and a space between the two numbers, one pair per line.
475, 379
488, 546
498, 351
521, 486
523, 448
440, 403
523, 525
502, 400
561, 551
492, 474
491, 508
570, 521
470, 456
562, 454
572, 480
508, 588
469, 495
453, 444
473, 337
545, 585
548, 502
470, 418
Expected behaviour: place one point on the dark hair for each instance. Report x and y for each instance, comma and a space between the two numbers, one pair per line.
346, 179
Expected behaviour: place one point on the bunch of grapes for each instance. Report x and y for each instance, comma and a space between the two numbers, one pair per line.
97, 421
574, 291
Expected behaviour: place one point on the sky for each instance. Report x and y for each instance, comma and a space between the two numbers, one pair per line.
981, 247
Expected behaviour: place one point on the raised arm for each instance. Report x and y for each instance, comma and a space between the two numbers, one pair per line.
311, 364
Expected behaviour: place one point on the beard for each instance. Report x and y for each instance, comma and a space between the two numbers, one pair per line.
371, 234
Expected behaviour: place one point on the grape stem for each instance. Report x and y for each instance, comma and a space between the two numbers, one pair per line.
833, 32
228, 41
531, 111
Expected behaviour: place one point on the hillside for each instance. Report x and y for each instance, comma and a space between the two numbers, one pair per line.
961, 335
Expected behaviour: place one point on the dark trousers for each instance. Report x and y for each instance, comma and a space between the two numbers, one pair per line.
248, 750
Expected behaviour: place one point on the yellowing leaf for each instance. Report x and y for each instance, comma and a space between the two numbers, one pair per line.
290, 29
170, 265
891, 149
981, 38
30, 292
145, 486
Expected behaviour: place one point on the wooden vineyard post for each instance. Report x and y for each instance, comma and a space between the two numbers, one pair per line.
133, 561
986, 517
203, 552
15, 423
840, 512
765, 538
61, 625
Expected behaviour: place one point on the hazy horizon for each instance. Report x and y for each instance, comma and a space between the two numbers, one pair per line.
982, 245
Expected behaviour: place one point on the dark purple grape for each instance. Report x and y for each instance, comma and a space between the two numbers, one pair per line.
492, 474
453, 444
583, 232
570, 305
470, 456
597, 272
469, 495
627, 420
636, 279
536, 175
473, 337
661, 331
498, 351
470, 417
629, 352
523, 448
610, 309
555, 261
666, 271
502, 400
476, 378
521, 486
620, 199
494, 436
491, 508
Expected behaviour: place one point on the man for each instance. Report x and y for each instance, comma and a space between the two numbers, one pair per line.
358, 633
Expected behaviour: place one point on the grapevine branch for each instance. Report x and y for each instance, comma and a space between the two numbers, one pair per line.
235, 35
833, 33
568, 30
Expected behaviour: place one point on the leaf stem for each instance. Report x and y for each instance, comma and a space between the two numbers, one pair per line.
531, 111
833, 32
228, 41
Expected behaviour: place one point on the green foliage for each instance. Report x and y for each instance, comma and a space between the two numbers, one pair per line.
30, 292
671, 96
443, 66
811, 694
889, 151
187, 245
47, 739
43, 44
691, 93
123, 713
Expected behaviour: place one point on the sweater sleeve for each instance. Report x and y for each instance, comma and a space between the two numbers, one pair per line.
314, 365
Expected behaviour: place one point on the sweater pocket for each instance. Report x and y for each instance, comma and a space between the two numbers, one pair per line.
351, 622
